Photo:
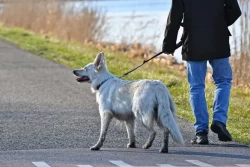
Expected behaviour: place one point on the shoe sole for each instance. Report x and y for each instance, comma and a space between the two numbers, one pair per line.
221, 135
199, 143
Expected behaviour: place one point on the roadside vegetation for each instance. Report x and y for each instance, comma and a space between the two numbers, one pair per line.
62, 19
46, 39
241, 48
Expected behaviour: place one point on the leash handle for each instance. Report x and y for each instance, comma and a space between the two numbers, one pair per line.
145, 61
179, 44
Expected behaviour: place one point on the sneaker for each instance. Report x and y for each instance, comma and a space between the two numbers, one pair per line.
221, 130
200, 138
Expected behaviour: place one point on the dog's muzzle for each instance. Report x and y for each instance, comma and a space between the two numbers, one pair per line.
80, 78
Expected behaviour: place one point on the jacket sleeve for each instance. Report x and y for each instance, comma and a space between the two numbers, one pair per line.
232, 11
173, 24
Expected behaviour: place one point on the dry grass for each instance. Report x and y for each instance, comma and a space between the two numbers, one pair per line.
55, 17
241, 58
65, 21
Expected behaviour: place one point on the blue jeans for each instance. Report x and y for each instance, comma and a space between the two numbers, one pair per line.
222, 76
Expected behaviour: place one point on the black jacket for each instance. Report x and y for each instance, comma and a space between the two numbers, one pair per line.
205, 22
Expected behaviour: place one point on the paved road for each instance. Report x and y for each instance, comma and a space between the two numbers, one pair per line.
178, 156
42, 107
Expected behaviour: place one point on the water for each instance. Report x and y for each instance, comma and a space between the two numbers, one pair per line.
128, 6
135, 20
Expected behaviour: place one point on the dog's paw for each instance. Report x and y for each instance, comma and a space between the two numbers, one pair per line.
94, 148
131, 145
163, 150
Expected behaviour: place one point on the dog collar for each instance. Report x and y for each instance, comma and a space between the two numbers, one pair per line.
97, 88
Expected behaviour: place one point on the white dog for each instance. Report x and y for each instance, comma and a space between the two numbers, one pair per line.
143, 100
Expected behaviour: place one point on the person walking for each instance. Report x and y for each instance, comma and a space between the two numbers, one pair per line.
205, 39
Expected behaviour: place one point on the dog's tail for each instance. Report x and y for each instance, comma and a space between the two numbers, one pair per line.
166, 116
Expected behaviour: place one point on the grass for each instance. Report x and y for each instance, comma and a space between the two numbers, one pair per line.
76, 55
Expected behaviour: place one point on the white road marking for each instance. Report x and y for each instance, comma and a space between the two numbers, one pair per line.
123, 164
40, 164
243, 165
120, 163
199, 163
165, 165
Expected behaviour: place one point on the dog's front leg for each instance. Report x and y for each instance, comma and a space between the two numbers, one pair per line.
106, 118
131, 134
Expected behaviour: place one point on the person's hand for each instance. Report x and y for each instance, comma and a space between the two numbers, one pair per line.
166, 50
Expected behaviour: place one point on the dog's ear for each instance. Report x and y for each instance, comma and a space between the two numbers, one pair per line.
99, 61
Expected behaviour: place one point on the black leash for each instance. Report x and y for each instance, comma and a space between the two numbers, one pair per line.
145, 61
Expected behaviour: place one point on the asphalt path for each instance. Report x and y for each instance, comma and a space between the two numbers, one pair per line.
43, 110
